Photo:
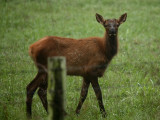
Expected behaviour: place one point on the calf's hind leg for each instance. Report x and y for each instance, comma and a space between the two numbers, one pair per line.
31, 88
42, 92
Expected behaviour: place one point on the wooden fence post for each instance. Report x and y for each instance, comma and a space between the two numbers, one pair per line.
56, 87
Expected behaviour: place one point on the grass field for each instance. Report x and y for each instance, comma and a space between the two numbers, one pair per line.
131, 84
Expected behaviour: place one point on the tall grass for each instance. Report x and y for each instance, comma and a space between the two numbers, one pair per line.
131, 84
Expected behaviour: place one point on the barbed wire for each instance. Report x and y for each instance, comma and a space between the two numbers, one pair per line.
138, 85
76, 68
14, 101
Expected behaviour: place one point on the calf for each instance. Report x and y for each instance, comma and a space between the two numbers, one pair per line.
88, 57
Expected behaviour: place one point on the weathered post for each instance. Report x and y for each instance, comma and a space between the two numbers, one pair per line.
56, 86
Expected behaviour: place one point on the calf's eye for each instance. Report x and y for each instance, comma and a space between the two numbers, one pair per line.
106, 25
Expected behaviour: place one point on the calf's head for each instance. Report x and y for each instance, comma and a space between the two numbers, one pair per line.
111, 25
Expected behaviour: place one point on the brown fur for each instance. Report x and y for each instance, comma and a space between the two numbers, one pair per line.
87, 57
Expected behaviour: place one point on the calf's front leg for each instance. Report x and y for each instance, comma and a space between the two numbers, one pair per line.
84, 91
98, 93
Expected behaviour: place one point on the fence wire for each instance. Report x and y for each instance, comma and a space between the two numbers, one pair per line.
136, 85
112, 65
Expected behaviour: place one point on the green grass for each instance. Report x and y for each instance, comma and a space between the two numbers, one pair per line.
131, 84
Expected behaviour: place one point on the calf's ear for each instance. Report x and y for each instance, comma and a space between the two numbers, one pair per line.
123, 18
99, 18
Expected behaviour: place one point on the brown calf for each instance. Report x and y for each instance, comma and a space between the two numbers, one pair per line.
88, 57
